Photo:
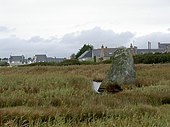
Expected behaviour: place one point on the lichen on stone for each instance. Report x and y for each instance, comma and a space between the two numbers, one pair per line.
122, 70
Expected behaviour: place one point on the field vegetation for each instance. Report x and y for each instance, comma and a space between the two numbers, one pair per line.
43, 96
151, 58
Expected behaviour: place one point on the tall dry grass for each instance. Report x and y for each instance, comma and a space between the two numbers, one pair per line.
62, 96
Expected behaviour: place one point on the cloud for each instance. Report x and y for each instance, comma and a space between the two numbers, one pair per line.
72, 42
36, 39
65, 46
168, 29
6, 29
154, 38
97, 37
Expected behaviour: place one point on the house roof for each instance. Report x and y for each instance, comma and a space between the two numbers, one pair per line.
167, 43
96, 52
41, 55
142, 51
41, 58
164, 45
86, 54
51, 59
17, 58
108, 52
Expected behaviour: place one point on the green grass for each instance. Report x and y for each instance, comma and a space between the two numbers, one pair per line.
62, 96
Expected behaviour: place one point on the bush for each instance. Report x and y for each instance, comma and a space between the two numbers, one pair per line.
152, 58
2, 63
69, 62
106, 61
64, 63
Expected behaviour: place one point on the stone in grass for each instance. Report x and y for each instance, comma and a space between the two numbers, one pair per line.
122, 72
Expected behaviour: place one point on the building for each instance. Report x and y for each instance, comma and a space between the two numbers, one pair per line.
86, 56
51, 59
17, 60
105, 53
99, 54
4, 59
44, 58
162, 48
145, 51
40, 58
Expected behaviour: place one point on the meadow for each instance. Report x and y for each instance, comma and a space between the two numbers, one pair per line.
62, 96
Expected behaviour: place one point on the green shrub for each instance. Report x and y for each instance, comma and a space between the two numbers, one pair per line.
152, 58
69, 62
2, 63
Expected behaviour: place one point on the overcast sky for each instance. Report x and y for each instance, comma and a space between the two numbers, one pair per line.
61, 27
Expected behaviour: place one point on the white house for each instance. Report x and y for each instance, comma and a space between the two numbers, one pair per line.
17, 60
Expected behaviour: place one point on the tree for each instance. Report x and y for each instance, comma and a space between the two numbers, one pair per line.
83, 49
73, 56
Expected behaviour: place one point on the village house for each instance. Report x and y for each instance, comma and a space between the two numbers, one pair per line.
17, 60
5, 60
162, 48
101, 54
21, 60
105, 53
40, 58
44, 58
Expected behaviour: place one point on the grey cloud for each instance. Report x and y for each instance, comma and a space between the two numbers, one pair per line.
97, 37
154, 38
6, 29
64, 47
36, 39
17, 46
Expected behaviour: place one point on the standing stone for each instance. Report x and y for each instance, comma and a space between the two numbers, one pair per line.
121, 73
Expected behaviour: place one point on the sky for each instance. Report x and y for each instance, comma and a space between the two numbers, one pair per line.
61, 27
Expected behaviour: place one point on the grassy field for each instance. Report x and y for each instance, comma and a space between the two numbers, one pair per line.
63, 96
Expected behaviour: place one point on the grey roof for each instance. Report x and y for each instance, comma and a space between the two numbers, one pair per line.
17, 58
96, 52
86, 54
143, 51
163, 45
40, 58
41, 55
108, 52
167, 43
51, 59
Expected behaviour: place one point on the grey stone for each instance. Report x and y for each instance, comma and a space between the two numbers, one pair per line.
122, 71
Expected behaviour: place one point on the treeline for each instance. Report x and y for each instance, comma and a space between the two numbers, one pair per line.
152, 58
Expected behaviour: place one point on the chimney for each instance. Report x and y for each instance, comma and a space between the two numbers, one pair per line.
102, 51
159, 45
149, 45
131, 46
